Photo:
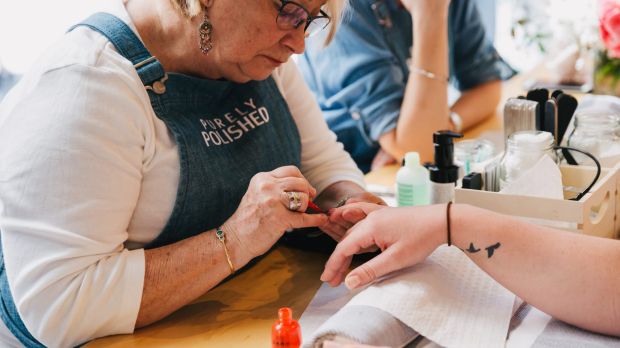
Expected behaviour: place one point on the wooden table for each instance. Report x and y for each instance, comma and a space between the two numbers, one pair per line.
240, 312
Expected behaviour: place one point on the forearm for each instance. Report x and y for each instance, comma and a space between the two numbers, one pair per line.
178, 273
425, 104
478, 103
572, 277
337, 191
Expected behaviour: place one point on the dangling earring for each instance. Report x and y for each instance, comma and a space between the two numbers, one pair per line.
206, 41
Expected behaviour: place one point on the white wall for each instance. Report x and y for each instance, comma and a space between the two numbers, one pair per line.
565, 20
27, 27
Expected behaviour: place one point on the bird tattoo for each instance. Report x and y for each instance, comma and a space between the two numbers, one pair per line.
472, 249
491, 249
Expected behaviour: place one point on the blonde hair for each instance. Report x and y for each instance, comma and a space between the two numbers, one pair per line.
335, 8
189, 8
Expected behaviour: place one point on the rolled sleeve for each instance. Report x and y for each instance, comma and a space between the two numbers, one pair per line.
475, 60
376, 99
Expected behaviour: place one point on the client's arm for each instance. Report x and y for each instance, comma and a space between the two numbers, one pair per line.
570, 276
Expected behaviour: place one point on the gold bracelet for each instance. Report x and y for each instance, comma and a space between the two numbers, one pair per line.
428, 74
221, 236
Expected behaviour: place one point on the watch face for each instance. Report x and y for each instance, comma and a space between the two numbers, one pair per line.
456, 121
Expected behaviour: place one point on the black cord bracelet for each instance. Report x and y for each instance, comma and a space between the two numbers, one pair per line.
448, 223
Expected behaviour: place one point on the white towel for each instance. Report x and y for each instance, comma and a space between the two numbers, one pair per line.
363, 324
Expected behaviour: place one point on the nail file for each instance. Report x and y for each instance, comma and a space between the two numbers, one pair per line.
567, 105
540, 116
551, 118
540, 96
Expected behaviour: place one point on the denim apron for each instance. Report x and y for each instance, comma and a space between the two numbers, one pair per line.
226, 132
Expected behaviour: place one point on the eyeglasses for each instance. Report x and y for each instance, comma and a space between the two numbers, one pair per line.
291, 15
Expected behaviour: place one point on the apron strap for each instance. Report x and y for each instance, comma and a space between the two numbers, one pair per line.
8, 310
126, 42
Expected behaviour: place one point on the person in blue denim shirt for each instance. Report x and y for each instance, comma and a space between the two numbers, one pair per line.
383, 96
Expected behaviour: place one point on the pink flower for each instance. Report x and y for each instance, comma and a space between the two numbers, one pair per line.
610, 26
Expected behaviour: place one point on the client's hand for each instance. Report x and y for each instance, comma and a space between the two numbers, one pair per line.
405, 236
341, 219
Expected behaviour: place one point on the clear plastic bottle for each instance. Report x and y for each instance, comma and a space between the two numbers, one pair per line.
412, 182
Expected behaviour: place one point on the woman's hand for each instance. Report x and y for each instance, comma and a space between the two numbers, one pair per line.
263, 214
406, 236
341, 219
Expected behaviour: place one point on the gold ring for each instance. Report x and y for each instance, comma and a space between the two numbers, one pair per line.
294, 200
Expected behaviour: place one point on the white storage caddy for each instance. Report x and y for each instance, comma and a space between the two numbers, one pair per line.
595, 214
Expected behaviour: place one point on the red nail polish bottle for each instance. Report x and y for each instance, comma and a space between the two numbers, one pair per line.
286, 332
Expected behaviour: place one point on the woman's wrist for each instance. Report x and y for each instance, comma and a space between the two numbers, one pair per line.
416, 5
429, 11
461, 217
438, 224
238, 252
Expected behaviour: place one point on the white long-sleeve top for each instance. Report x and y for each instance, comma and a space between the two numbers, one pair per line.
88, 176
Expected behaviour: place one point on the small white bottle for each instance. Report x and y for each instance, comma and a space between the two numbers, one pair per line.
412, 182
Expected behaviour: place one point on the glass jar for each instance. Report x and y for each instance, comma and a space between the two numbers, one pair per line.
523, 151
599, 134
469, 153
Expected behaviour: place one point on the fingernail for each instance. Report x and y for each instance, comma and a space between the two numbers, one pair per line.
352, 282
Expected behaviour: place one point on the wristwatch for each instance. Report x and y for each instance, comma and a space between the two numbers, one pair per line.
342, 201
456, 121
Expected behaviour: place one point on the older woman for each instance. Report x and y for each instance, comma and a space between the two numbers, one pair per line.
150, 153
